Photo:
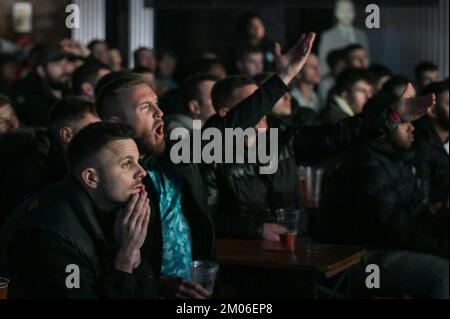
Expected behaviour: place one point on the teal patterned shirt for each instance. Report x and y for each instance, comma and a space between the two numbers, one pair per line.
177, 240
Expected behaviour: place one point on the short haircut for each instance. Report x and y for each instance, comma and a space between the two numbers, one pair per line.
86, 73
110, 87
347, 79
93, 43
223, 90
423, 67
69, 108
138, 51
190, 89
4, 100
334, 57
92, 139
434, 88
378, 71
395, 83
352, 47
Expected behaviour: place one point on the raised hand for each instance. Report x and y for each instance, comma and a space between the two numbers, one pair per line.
412, 108
288, 65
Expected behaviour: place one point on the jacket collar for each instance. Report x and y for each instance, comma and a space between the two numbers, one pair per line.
85, 209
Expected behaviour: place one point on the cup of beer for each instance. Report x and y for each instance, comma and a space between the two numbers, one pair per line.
4, 288
288, 218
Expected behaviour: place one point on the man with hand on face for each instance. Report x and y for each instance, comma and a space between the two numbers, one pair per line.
182, 210
82, 238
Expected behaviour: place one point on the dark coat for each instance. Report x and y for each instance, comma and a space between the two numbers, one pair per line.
59, 227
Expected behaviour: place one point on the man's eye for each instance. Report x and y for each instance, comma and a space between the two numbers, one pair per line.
126, 165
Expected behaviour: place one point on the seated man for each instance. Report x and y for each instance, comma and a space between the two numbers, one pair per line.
85, 78
432, 157
34, 158
353, 89
195, 102
242, 201
182, 229
82, 238
381, 203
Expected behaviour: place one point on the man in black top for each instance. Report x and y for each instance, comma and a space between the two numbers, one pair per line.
82, 238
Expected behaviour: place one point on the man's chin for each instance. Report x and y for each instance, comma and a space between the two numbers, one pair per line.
156, 148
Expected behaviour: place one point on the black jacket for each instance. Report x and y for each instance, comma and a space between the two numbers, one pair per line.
30, 160
241, 200
375, 200
432, 162
59, 227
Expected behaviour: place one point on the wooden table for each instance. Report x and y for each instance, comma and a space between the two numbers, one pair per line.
317, 260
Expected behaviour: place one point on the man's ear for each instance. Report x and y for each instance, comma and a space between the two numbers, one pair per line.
223, 111
87, 89
65, 134
194, 108
90, 177
40, 71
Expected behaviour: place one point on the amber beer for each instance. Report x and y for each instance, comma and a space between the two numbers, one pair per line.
3, 288
288, 240
288, 218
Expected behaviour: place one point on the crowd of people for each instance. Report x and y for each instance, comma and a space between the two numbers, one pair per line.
86, 176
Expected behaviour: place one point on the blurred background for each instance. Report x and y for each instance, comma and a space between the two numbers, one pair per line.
411, 30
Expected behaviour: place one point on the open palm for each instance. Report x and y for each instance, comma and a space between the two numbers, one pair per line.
289, 64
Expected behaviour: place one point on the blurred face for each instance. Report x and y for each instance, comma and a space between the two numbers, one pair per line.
150, 78
146, 58
252, 64
141, 111
218, 70
8, 71
205, 103
283, 106
429, 77
119, 173
8, 119
358, 59
256, 29
442, 111
345, 12
358, 96
311, 72
115, 59
403, 136
57, 74
100, 52
167, 65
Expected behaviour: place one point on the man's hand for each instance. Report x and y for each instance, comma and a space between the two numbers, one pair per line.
180, 288
412, 108
130, 231
288, 65
272, 232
